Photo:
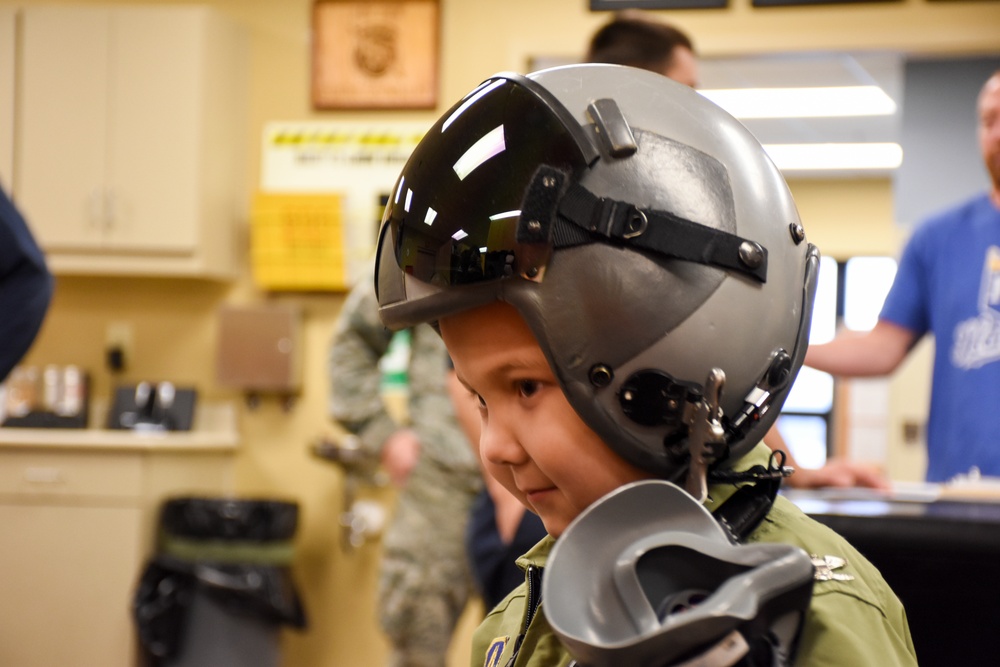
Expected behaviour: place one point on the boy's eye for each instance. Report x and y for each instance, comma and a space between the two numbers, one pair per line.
527, 388
482, 403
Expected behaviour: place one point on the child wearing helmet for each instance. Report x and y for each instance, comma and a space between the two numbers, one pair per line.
620, 275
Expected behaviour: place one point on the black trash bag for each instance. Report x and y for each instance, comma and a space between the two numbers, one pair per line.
265, 592
230, 519
160, 607
204, 547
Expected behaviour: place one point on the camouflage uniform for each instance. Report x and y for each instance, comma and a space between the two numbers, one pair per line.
425, 581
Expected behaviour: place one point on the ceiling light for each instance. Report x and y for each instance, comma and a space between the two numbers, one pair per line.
471, 99
816, 102
504, 215
490, 144
821, 157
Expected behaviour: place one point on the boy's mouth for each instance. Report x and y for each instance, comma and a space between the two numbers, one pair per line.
538, 494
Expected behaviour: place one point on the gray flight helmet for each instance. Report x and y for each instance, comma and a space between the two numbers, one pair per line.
671, 586
640, 231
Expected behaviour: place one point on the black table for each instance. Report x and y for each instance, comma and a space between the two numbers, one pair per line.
942, 558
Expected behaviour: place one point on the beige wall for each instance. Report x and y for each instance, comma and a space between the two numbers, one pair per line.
174, 321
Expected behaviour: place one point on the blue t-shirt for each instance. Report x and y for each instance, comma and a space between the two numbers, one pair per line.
948, 284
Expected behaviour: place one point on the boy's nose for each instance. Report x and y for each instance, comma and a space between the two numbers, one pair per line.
498, 443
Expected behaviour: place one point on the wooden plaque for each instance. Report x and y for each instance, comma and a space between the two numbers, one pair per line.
375, 54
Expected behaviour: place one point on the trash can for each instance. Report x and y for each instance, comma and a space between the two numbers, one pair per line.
219, 586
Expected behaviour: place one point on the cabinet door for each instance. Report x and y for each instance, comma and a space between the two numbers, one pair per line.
67, 575
8, 51
59, 178
154, 140
129, 125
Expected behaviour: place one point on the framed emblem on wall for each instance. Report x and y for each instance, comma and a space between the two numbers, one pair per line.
375, 54
615, 5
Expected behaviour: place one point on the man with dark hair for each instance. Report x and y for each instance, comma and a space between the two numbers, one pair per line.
659, 47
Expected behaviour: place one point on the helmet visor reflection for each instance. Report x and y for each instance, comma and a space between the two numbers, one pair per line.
455, 210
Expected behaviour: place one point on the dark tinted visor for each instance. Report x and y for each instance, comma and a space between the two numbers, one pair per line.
455, 209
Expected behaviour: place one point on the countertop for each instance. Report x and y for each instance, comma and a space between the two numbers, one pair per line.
214, 429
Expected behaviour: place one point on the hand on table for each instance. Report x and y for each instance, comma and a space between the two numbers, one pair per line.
840, 472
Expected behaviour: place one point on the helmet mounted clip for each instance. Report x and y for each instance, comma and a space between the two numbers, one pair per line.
706, 437
652, 397
613, 131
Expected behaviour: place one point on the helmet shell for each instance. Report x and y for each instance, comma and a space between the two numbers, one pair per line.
611, 306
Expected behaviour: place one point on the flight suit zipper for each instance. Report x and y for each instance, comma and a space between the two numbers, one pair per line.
533, 581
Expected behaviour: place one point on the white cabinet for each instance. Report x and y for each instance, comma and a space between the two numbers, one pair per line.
70, 563
129, 128
78, 521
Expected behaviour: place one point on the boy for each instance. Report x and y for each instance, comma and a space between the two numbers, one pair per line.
620, 276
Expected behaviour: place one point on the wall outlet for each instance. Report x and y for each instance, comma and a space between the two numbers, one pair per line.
118, 346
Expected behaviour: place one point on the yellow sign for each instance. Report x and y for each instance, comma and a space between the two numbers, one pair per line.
297, 242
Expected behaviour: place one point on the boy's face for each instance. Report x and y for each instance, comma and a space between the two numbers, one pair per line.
532, 441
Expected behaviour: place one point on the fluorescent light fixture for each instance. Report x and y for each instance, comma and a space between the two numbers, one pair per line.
471, 99
459, 235
821, 157
816, 102
824, 314
488, 145
429, 217
504, 215
866, 283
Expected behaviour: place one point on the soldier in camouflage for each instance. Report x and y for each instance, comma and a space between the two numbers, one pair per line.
425, 582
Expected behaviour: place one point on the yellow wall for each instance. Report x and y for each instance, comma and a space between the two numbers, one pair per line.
174, 321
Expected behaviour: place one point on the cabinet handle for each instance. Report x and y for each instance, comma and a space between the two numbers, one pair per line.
110, 210
39, 475
95, 209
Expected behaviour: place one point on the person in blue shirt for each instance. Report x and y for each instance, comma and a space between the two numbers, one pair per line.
947, 285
